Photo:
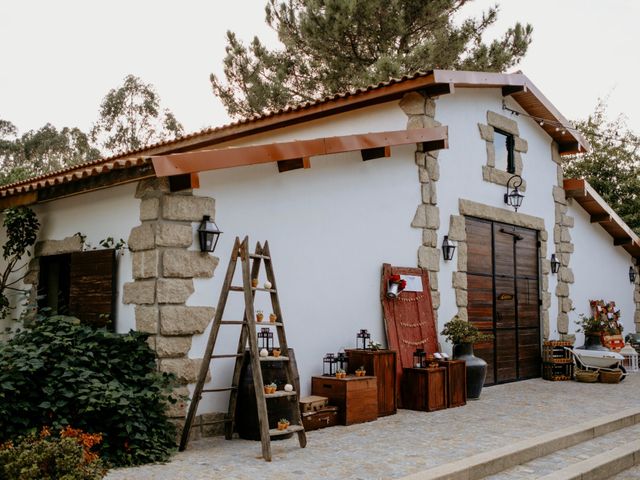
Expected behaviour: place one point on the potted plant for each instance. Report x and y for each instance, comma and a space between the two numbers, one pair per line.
361, 372
340, 373
271, 388
592, 328
259, 316
463, 335
375, 346
254, 282
276, 352
273, 317
283, 424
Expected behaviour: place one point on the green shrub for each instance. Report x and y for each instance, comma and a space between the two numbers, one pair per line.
62, 373
44, 457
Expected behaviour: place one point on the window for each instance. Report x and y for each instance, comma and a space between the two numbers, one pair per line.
81, 284
503, 143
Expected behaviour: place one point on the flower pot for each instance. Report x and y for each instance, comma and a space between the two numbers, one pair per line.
360, 373
476, 369
259, 317
273, 317
283, 425
276, 353
254, 282
592, 342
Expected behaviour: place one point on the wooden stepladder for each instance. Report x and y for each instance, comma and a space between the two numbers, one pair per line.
248, 340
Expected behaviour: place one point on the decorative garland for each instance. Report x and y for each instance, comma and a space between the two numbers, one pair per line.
419, 342
420, 324
413, 299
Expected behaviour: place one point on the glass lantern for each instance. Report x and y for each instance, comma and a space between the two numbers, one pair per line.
630, 361
329, 365
362, 338
265, 338
342, 361
419, 358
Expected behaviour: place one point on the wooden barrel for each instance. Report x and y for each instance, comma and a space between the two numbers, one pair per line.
247, 424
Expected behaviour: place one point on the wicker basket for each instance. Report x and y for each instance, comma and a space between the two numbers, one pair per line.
586, 376
610, 377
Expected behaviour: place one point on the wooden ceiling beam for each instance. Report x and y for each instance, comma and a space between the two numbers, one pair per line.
438, 89
601, 218
622, 241
511, 89
568, 148
377, 152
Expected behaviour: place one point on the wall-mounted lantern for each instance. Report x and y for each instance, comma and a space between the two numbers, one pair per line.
447, 248
514, 197
208, 234
632, 274
555, 263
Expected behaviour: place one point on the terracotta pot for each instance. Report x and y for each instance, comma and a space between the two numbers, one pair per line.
259, 317
273, 317
276, 353
283, 426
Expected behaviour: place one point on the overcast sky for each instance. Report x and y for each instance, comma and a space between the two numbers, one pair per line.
59, 58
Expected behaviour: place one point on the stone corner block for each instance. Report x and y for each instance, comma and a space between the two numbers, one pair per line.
152, 186
142, 237
187, 208
413, 103
502, 123
146, 319
183, 320
172, 347
187, 264
486, 132
56, 247
145, 264
140, 292
149, 209
429, 258
457, 228
174, 235
185, 369
174, 290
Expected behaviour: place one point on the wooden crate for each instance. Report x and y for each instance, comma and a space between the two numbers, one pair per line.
557, 371
553, 351
424, 389
456, 379
326, 417
355, 397
381, 364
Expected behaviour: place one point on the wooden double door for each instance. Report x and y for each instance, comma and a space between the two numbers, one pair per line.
504, 298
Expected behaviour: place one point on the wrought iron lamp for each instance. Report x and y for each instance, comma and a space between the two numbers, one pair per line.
342, 360
555, 263
329, 365
208, 234
265, 337
632, 274
447, 248
514, 197
419, 358
362, 337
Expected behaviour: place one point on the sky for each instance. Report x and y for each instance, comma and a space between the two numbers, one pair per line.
59, 58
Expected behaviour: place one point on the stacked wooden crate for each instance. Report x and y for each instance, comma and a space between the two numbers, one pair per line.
557, 363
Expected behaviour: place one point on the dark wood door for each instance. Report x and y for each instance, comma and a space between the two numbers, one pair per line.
504, 298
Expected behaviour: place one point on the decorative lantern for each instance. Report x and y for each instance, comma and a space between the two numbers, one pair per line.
555, 263
265, 338
329, 365
419, 358
632, 274
447, 248
630, 361
362, 338
208, 234
514, 198
342, 361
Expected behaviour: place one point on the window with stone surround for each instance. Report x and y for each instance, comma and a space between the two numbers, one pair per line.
503, 145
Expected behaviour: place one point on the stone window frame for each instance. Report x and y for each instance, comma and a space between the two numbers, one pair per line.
507, 126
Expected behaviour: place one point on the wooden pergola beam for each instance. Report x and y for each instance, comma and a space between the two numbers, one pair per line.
622, 241
601, 218
204, 160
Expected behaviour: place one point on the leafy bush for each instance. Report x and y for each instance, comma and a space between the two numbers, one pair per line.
45, 457
63, 373
458, 331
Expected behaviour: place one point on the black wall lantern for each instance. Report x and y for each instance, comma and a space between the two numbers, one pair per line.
362, 337
208, 234
265, 337
329, 365
514, 197
632, 274
447, 248
555, 263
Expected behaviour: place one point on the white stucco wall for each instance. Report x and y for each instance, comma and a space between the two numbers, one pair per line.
601, 272
461, 176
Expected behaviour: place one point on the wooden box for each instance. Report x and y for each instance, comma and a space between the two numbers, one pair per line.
424, 389
381, 364
355, 397
456, 376
313, 403
326, 417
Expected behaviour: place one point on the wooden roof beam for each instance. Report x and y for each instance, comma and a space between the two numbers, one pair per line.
623, 241
438, 89
601, 218
569, 147
511, 89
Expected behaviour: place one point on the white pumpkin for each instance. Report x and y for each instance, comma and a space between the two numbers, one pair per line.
288, 387
267, 285
264, 352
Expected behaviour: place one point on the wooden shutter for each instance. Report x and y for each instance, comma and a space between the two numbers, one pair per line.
92, 290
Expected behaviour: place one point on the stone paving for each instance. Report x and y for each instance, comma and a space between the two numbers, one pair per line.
401, 444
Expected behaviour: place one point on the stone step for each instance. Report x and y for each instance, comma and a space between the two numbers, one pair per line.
581, 458
492, 462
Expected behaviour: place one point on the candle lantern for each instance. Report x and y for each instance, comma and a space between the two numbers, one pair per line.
342, 361
265, 338
630, 361
329, 365
419, 358
362, 339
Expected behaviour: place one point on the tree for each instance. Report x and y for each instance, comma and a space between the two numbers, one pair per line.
612, 166
130, 118
334, 45
38, 152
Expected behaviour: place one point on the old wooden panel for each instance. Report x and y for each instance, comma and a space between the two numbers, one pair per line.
355, 397
424, 389
529, 354
480, 300
479, 246
382, 365
506, 365
456, 377
505, 302
527, 253
92, 286
528, 303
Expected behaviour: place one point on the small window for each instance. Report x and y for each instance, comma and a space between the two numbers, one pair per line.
80, 284
503, 143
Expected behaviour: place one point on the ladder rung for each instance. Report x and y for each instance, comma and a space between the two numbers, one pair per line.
280, 394
228, 355
221, 389
255, 255
274, 432
274, 359
235, 288
232, 322
267, 324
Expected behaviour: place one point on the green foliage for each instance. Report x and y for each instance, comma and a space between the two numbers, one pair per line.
458, 331
591, 325
63, 373
612, 167
130, 118
21, 226
42, 151
330, 46
44, 457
